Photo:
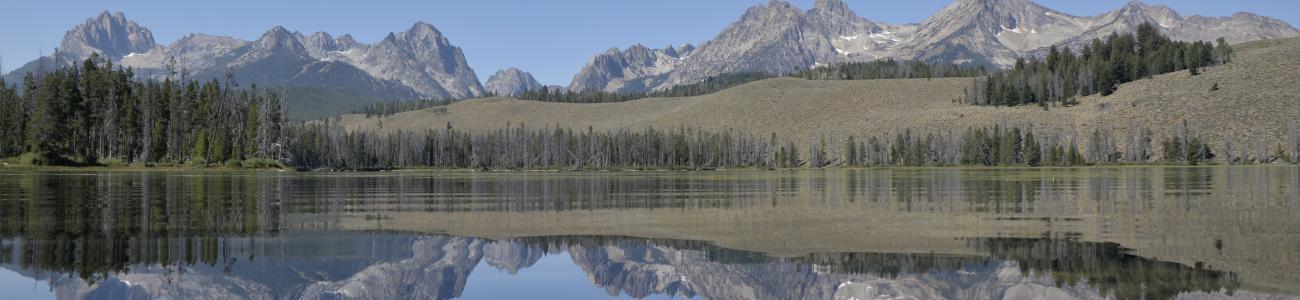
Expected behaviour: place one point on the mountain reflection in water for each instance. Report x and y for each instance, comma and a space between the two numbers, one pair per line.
1125, 233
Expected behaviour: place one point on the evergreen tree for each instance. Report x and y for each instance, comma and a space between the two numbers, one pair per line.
1099, 68
1033, 151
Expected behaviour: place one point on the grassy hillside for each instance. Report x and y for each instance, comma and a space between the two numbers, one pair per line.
307, 102
1259, 96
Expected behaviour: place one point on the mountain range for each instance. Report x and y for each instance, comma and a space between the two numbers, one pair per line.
775, 37
417, 63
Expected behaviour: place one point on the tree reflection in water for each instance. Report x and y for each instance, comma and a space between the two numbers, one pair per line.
264, 235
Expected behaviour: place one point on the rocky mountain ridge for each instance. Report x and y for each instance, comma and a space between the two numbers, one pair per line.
417, 63
108, 34
777, 37
511, 82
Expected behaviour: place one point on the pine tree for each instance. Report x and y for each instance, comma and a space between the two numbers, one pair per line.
1033, 151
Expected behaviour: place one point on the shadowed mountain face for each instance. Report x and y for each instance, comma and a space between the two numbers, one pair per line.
778, 37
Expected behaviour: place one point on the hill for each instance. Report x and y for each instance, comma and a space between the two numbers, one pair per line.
1256, 102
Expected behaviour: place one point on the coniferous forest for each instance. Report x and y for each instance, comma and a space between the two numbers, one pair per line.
1099, 67
388, 108
95, 113
889, 69
324, 145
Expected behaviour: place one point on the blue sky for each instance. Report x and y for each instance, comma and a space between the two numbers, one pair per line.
551, 39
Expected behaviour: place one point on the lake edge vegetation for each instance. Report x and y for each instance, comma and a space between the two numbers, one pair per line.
99, 114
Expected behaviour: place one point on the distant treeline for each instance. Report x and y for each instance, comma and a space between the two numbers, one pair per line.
889, 69
708, 86
388, 108
881, 69
325, 145
95, 113
1099, 68
1017, 146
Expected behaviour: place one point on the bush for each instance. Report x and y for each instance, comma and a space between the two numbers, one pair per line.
113, 162
25, 159
260, 164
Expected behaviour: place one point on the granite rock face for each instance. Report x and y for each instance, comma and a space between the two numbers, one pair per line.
423, 59
111, 35
511, 82
637, 68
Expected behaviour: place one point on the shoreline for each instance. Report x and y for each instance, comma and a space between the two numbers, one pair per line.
228, 169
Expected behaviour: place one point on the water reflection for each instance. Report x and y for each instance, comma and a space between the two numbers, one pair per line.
316, 265
1127, 233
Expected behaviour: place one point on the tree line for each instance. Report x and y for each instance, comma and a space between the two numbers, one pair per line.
889, 69
710, 85
880, 69
388, 108
1099, 67
96, 113
1026, 146
325, 145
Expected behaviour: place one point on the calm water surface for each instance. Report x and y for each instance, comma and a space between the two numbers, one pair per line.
1094, 233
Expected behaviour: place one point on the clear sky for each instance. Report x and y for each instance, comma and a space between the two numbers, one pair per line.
551, 39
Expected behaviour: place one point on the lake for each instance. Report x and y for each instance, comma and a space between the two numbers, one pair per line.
927, 233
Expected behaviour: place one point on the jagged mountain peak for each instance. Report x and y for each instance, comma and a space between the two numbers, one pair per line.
828, 3
992, 3
989, 32
347, 38
672, 51
606, 71
322, 35
833, 6
1139, 7
346, 41
322, 45
775, 11
679, 51
110, 34
423, 58
686, 48
420, 34
511, 82
422, 30
280, 40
